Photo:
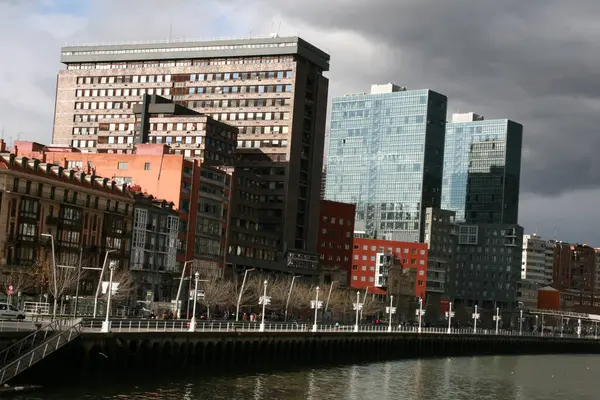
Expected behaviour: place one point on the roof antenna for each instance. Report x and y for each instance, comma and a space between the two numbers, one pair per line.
170, 32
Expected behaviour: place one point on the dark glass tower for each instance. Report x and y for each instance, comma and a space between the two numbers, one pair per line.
482, 169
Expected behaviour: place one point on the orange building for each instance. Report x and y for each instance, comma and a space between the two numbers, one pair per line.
366, 268
199, 192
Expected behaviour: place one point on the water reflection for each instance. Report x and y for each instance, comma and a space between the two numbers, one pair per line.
482, 378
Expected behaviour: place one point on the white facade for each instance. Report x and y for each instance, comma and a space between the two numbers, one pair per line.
467, 117
538, 259
382, 266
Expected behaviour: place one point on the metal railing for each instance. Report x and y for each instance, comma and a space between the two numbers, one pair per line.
184, 326
37, 346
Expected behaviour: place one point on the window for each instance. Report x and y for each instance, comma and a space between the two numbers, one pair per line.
147, 166
122, 165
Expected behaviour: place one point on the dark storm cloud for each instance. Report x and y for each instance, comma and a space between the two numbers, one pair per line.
533, 61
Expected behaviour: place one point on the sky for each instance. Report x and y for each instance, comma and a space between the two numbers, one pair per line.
535, 62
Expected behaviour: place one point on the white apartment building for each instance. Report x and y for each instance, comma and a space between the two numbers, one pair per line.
538, 259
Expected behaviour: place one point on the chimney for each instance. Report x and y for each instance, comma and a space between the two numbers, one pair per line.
2, 146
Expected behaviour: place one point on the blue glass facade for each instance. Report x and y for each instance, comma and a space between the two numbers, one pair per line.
386, 156
482, 168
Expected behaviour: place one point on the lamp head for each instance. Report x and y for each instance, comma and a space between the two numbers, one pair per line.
197, 274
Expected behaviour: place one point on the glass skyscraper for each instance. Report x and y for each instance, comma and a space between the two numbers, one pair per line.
482, 169
386, 156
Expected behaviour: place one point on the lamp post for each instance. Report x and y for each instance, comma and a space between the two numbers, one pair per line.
449, 315
78, 280
475, 318
317, 305
579, 328
497, 318
562, 326
364, 301
520, 322
106, 323
54, 273
287, 301
420, 313
177, 305
239, 300
542, 330
193, 320
264, 300
391, 310
357, 307
100, 281
329, 296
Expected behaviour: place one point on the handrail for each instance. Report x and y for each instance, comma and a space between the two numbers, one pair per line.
33, 355
4, 354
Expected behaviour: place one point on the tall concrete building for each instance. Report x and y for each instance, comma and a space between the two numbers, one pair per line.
537, 260
272, 89
482, 169
385, 155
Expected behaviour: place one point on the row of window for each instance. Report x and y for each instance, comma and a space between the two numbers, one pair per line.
172, 63
389, 249
224, 103
84, 143
256, 144
333, 220
231, 89
243, 76
105, 105
99, 117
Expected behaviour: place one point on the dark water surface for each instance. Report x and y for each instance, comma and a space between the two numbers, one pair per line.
559, 377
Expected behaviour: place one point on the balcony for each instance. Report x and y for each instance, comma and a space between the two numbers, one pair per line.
51, 220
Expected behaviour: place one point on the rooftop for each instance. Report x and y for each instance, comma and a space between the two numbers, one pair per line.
194, 49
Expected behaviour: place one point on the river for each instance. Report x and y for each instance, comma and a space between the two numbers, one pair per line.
482, 378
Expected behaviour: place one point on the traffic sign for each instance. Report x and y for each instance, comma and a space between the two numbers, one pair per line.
354, 306
267, 300
319, 305
10, 289
387, 310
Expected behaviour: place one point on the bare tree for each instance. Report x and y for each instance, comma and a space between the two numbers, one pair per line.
21, 279
216, 291
371, 305
342, 302
66, 278
127, 285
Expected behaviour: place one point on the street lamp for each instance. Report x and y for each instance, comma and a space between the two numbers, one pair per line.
520, 322
420, 313
264, 300
364, 301
449, 315
497, 318
239, 300
287, 302
391, 310
579, 328
316, 304
357, 306
475, 318
193, 320
100, 281
177, 305
54, 273
106, 323
329, 296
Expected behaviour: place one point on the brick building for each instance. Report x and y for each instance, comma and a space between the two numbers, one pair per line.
199, 192
86, 215
366, 259
574, 267
272, 89
335, 240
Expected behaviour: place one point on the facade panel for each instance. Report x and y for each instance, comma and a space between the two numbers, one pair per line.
385, 155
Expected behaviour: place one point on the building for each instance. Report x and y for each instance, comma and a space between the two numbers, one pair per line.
527, 294
200, 192
87, 215
271, 89
154, 247
441, 237
574, 267
372, 259
537, 260
488, 266
482, 168
335, 241
385, 155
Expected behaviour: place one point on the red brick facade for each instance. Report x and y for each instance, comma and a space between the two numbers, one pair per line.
411, 255
336, 232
